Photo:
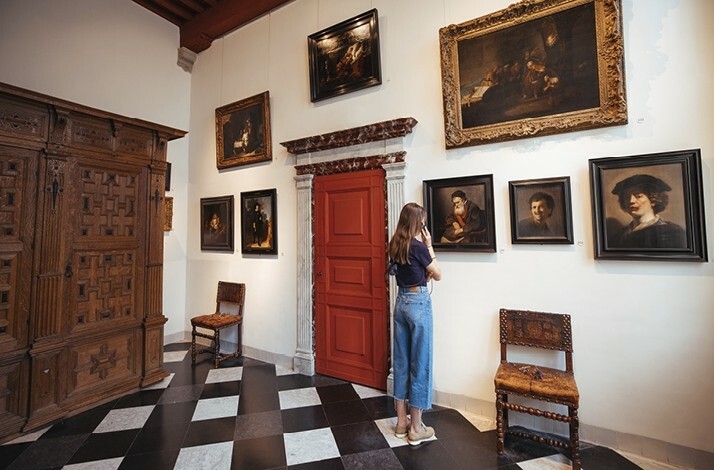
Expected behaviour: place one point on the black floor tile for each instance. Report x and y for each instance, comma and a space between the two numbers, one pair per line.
150, 461
468, 453
346, 412
220, 389
358, 437
380, 407
49, 453
177, 347
10, 452
383, 459
520, 449
329, 464
304, 419
159, 438
448, 422
602, 458
147, 397
267, 423
428, 455
337, 393
210, 431
294, 381
171, 413
259, 453
181, 394
83, 423
259, 390
105, 445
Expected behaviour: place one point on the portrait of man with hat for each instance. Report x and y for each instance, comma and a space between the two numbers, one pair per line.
643, 197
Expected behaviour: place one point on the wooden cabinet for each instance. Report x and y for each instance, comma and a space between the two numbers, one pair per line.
81, 256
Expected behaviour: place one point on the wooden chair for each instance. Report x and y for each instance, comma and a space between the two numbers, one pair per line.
538, 330
229, 293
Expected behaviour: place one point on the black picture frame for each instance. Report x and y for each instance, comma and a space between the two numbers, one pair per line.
259, 222
217, 224
478, 219
537, 67
345, 57
541, 211
671, 183
243, 132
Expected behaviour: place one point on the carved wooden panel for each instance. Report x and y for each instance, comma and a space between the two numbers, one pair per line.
108, 202
104, 288
23, 120
101, 364
16, 235
13, 401
46, 390
91, 134
134, 142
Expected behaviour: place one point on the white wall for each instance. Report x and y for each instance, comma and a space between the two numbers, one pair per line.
118, 57
643, 352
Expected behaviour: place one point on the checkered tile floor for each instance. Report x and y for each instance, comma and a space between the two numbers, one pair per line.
253, 415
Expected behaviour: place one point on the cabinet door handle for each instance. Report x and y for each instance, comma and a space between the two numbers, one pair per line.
68, 271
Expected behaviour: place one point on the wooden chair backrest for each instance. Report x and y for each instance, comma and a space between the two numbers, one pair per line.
231, 292
537, 330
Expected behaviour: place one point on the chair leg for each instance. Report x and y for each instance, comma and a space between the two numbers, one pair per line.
240, 339
500, 430
574, 437
193, 345
217, 350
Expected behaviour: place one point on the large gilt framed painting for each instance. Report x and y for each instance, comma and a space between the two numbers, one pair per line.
536, 68
649, 207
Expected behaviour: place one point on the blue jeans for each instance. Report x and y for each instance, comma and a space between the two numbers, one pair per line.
413, 347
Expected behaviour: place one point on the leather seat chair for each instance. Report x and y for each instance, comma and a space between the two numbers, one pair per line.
230, 294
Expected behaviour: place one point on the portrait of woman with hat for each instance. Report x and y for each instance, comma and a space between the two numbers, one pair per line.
644, 197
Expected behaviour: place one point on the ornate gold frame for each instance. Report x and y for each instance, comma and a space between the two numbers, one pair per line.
493, 33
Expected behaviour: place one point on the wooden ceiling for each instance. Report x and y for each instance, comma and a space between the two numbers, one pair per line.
202, 21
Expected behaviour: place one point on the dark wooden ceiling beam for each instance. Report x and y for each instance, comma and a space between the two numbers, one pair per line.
165, 10
198, 33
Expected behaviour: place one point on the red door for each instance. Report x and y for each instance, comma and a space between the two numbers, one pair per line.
350, 290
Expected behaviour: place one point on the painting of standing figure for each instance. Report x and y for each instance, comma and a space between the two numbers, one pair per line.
259, 222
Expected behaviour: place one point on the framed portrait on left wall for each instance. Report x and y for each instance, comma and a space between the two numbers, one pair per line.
217, 223
243, 132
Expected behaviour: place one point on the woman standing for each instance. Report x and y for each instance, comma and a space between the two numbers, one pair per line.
413, 323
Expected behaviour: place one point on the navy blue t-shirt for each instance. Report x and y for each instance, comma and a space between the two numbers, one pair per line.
414, 274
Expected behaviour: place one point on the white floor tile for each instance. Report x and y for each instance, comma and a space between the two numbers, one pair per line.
366, 392
386, 427
298, 398
174, 356
280, 370
481, 423
310, 446
212, 408
160, 385
647, 464
214, 456
108, 464
125, 418
30, 437
552, 462
227, 374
